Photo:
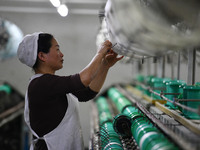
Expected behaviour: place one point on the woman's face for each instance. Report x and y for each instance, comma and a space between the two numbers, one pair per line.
55, 56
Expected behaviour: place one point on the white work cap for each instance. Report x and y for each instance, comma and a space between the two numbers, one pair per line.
27, 50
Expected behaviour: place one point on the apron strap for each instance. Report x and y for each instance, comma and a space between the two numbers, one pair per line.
35, 140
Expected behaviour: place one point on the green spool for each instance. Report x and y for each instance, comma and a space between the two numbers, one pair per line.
129, 110
182, 84
173, 87
191, 92
103, 110
122, 102
102, 104
140, 78
163, 145
109, 137
135, 115
138, 125
141, 130
166, 80
114, 94
113, 146
154, 141
104, 117
147, 81
148, 138
181, 91
137, 122
122, 125
160, 143
197, 84
6, 88
158, 86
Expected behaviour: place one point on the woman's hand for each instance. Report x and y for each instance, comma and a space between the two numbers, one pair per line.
104, 48
111, 58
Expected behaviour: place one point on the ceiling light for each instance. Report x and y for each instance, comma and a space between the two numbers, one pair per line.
63, 10
55, 3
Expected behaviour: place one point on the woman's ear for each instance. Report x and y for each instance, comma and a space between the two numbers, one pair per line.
42, 56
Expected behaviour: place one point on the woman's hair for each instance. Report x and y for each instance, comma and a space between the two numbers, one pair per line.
44, 45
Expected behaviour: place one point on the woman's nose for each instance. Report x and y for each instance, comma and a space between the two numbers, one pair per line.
61, 54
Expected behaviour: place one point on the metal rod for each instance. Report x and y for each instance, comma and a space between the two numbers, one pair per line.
155, 66
163, 67
160, 67
175, 103
172, 67
165, 98
11, 117
178, 65
191, 67
12, 110
94, 138
170, 93
187, 100
148, 67
114, 45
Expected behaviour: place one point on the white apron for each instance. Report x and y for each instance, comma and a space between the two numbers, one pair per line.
67, 135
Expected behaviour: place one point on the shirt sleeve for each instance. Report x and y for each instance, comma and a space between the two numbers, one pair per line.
54, 84
85, 94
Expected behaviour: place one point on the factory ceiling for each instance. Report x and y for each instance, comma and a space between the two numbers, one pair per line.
87, 7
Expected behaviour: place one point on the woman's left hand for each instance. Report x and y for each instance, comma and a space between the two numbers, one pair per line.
111, 58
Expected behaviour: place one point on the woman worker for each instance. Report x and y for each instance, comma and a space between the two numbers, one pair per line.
51, 110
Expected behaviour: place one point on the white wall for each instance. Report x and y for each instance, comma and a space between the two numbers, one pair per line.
76, 35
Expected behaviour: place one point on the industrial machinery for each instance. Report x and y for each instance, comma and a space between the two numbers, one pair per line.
12, 130
14, 135
156, 110
140, 118
10, 37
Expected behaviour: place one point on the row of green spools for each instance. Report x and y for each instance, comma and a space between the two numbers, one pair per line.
130, 122
109, 139
173, 89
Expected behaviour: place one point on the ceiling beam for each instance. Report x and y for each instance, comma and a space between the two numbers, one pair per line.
65, 1
46, 10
